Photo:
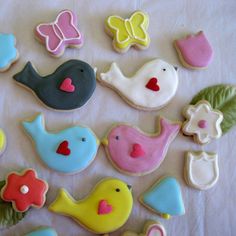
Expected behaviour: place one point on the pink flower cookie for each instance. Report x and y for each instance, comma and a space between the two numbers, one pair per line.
60, 34
203, 122
24, 190
134, 152
195, 51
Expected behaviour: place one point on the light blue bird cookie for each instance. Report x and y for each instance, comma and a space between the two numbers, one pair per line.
43, 231
164, 198
68, 151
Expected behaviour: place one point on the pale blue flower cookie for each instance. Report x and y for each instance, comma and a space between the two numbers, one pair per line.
43, 231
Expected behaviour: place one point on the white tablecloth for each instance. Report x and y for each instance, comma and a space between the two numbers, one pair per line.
209, 212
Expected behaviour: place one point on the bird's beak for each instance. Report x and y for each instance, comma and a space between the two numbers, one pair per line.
98, 142
104, 141
129, 187
176, 68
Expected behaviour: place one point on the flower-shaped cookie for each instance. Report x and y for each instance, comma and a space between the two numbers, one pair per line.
203, 122
24, 190
8, 51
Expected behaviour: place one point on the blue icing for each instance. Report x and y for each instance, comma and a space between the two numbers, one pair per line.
82, 151
165, 197
43, 232
8, 52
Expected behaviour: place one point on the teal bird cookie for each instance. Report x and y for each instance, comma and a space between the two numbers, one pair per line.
68, 151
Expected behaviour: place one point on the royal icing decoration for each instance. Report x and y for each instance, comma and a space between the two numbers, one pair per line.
68, 88
194, 51
24, 190
68, 151
164, 198
137, 153
151, 88
129, 32
202, 122
3, 141
151, 228
201, 169
105, 210
43, 231
61, 33
8, 51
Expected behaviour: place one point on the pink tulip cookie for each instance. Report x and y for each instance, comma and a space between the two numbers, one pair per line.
134, 152
195, 51
60, 34
24, 190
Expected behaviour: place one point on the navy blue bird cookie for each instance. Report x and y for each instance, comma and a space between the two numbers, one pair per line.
68, 88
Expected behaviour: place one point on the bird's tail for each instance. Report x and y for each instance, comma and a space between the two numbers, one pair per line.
63, 204
28, 76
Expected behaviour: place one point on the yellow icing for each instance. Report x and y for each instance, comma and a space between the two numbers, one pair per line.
85, 211
127, 32
2, 140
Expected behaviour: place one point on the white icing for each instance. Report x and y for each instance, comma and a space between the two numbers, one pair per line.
134, 90
203, 111
24, 189
202, 169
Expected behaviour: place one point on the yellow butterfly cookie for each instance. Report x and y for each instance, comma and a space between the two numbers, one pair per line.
129, 32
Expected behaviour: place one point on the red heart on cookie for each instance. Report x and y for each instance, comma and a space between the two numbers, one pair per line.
67, 86
63, 148
104, 208
137, 151
152, 84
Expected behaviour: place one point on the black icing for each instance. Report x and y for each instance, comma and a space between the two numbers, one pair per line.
48, 88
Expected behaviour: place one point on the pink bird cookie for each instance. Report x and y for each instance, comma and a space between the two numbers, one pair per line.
195, 51
136, 153
60, 34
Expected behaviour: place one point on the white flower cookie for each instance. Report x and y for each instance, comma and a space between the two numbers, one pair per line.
202, 122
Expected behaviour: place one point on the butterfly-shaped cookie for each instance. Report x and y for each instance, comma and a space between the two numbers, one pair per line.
129, 32
61, 33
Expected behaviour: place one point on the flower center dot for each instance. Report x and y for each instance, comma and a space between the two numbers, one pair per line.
202, 124
24, 189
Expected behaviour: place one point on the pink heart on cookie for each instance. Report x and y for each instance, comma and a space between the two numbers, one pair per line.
67, 86
104, 208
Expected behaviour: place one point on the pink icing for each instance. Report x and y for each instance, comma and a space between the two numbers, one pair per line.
61, 33
104, 208
155, 147
155, 230
196, 50
137, 151
202, 124
67, 85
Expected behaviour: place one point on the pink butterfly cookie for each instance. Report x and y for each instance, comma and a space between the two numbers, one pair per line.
60, 34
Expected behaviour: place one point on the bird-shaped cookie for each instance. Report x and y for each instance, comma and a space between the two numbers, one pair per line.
68, 88
151, 88
134, 152
105, 210
3, 141
68, 151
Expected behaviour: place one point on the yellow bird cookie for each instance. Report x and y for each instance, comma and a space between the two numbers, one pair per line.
3, 141
105, 210
128, 32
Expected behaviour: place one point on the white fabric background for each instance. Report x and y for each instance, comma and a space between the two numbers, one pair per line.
209, 212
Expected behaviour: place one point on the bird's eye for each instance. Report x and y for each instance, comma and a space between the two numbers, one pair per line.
164, 69
81, 70
83, 139
117, 190
117, 137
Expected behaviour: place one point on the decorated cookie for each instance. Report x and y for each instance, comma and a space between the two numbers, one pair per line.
68, 151
8, 51
105, 210
68, 88
24, 190
128, 32
151, 228
60, 34
164, 198
8, 215
223, 98
151, 88
3, 141
134, 152
201, 169
194, 51
43, 231
203, 122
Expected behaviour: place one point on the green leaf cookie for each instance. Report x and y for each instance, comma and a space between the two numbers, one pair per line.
223, 98
8, 216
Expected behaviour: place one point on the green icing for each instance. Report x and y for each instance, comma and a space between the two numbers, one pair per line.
8, 216
223, 98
